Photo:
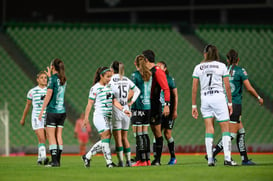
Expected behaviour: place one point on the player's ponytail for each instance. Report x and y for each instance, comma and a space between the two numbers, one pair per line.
121, 70
232, 56
100, 71
212, 53
59, 67
118, 67
142, 68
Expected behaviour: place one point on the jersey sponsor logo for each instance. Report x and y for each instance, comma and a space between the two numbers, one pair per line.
108, 95
116, 79
202, 67
122, 102
42, 97
211, 92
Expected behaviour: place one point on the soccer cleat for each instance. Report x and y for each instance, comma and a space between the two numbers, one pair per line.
86, 161
120, 164
206, 157
156, 163
248, 162
128, 163
111, 165
230, 163
46, 161
211, 164
39, 162
53, 164
148, 163
134, 160
172, 161
139, 164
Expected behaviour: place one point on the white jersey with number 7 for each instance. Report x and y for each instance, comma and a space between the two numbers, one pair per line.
210, 75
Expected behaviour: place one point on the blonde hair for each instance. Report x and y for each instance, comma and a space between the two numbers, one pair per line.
143, 70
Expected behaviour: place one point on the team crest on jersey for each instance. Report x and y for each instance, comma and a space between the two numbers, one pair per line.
244, 71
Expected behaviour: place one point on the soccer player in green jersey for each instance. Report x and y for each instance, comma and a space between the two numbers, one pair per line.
168, 121
55, 110
36, 97
238, 79
142, 78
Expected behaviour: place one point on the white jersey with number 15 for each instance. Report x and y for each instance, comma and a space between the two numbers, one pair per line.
121, 88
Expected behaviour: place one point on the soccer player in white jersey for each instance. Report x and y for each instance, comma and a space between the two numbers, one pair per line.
212, 74
102, 97
36, 96
121, 85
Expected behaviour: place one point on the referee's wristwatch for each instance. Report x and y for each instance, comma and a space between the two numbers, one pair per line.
167, 104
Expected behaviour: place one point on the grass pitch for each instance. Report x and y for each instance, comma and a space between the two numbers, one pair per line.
188, 167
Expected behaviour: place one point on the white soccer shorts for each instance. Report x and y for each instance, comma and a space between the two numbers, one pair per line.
120, 120
101, 122
215, 106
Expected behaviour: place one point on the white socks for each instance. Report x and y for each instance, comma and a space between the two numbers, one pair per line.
41, 152
94, 150
227, 145
105, 144
209, 144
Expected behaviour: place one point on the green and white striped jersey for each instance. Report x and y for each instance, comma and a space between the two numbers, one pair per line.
37, 96
103, 97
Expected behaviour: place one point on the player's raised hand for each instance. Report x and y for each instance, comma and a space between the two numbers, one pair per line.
48, 72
